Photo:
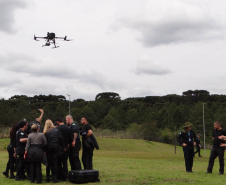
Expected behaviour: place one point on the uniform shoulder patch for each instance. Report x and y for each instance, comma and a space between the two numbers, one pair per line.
73, 123
21, 133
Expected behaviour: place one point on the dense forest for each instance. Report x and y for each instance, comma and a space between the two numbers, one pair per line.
156, 118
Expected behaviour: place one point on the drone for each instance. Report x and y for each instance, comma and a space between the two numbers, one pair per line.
51, 39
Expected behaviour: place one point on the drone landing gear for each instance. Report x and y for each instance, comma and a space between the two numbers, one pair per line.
55, 47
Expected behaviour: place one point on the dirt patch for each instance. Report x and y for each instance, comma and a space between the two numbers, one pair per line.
176, 180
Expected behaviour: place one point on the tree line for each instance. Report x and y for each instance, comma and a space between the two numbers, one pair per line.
157, 118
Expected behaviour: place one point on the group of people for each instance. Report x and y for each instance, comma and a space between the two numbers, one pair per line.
32, 145
187, 138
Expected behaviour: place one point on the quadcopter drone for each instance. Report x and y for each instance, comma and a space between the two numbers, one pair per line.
50, 39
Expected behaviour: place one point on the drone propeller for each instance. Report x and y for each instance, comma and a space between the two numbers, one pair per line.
35, 38
65, 39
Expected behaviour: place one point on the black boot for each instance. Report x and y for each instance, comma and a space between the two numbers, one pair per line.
47, 179
6, 173
11, 175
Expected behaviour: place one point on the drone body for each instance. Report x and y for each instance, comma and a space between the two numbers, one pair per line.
51, 39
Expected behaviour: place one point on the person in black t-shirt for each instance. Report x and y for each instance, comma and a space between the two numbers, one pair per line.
187, 140
87, 144
11, 148
217, 149
37, 121
75, 146
198, 145
66, 132
21, 139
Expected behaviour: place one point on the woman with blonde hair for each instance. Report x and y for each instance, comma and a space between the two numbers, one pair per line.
55, 144
48, 126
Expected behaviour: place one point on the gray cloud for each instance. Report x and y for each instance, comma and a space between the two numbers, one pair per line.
178, 24
7, 14
145, 66
23, 64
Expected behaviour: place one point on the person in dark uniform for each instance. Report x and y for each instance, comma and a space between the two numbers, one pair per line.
87, 144
54, 150
187, 139
37, 122
198, 145
217, 149
21, 139
66, 132
11, 148
75, 146
34, 152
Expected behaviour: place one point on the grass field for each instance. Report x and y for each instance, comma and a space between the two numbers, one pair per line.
126, 161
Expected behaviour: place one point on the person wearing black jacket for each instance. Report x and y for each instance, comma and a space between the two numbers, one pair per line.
75, 146
187, 139
54, 149
217, 149
67, 135
21, 139
11, 148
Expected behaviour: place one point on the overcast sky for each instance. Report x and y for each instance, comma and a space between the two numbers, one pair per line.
136, 48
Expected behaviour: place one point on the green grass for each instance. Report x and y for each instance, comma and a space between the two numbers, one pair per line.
127, 161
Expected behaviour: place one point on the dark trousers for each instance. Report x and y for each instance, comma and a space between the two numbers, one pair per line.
87, 157
63, 167
214, 153
53, 156
74, 158
197, 151
11, 162
36, 171
188, 156
20, 174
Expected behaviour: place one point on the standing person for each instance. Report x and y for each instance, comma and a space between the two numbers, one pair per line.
217, 150
21, 139
75, 146
198, 145
54, 149
66, 132
34, 152
37, 122
87, 144
11, 148
187, 139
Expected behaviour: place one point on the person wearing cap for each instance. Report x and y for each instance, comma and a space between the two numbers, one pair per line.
187, 140
198, 146
218, 148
